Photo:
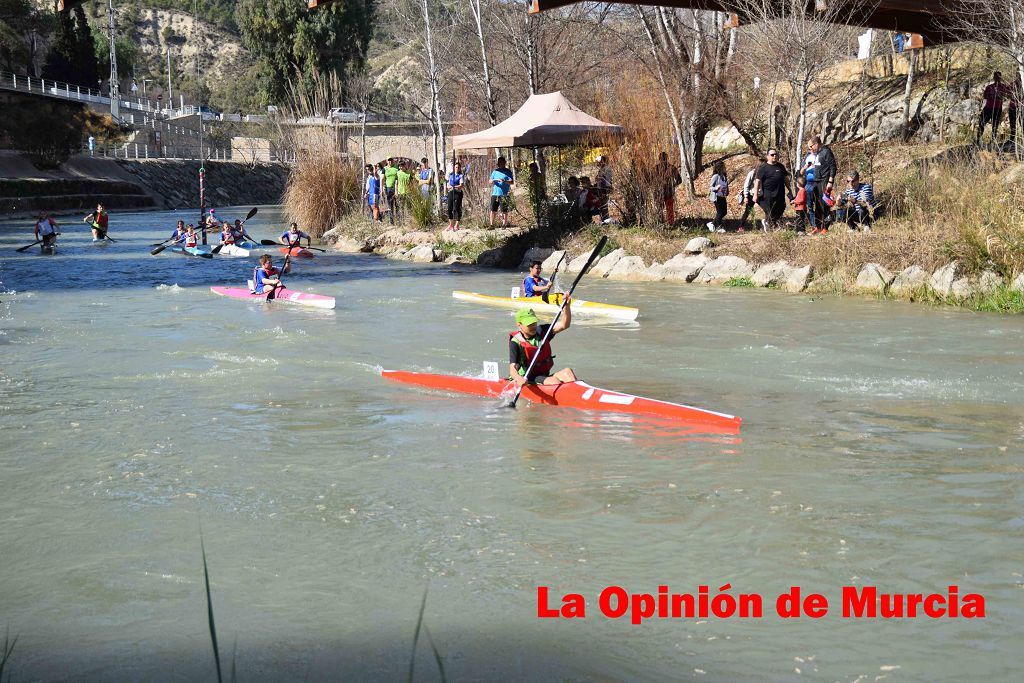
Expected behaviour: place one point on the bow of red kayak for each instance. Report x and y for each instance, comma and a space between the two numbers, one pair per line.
573, 395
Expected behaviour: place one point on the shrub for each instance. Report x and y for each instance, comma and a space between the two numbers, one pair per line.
321, 190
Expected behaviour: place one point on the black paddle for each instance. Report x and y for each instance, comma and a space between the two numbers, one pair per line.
280, 285
253, 212
547, 335
163, 245
544, 296
272, 243
29, 246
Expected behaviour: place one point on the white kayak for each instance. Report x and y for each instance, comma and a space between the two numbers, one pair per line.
233, 251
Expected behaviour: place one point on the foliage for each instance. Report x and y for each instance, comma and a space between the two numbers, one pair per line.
127, 53
421, 209
284, 38
18, 19
322, 189
72, 56
218, 12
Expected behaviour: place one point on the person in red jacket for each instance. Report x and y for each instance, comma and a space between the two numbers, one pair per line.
992, 108
800, 204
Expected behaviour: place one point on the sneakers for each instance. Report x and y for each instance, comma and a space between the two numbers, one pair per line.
740, 230
764, 225
720, 230
711, 226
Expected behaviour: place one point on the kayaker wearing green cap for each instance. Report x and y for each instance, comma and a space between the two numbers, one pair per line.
524, 344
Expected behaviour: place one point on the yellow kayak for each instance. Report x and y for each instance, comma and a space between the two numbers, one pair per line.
579, 306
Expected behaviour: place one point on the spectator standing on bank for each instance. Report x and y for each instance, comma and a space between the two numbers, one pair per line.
390, 178
669, 179
456, 190
603, 187
810, 161
371, 193
771, 188
501, 191
402, 181
425, 178
824, 181
800, 205
1013, 98
746, 196
719, 196
992, 107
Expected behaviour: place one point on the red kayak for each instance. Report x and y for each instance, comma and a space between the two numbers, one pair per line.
300, 253
571, 394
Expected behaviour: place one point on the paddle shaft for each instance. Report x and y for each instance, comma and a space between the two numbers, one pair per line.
29, 246
547, 335
552, 280
280, 284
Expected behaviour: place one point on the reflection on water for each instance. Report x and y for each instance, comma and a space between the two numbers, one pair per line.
882, 445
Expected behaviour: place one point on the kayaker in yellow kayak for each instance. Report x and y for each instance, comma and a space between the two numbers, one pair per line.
534, 284
524, 344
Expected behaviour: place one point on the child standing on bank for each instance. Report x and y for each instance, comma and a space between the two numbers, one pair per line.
800, 204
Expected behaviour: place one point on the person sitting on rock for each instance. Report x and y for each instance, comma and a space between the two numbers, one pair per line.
861, 200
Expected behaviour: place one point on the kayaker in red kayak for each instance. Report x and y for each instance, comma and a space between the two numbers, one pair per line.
266, 275
292, 237
534, 284
523, 346
100, 220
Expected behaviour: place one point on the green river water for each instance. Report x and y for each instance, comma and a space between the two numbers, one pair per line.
881, 446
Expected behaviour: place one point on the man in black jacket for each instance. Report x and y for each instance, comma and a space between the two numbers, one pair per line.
824, 179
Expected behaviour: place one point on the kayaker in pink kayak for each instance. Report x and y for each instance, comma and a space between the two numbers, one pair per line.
524, 344
293, 236
266, 275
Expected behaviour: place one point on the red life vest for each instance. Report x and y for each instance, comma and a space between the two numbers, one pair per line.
544, 363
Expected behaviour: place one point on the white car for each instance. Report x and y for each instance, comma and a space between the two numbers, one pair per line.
344, 115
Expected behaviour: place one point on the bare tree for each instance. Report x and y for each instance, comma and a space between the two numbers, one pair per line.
794, 46
477, 9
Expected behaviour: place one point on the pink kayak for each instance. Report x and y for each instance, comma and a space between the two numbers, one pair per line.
283, 294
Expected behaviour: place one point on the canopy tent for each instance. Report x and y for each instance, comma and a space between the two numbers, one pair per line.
547, 120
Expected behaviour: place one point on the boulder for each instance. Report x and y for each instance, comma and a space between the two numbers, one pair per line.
576, 265
772, 274
349, 245
909, 280
874, 278
534, 254
490, 258
943, 278
423, 253
989, 282
458, 259
628, 268
962, 289
725, 268
798, 279
681, 268
1018, 283
698, 245
551, 261
606, 263
400, 237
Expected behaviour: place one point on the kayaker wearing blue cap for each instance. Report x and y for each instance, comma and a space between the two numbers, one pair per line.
266, 275
293, 236
534, 284
524, 344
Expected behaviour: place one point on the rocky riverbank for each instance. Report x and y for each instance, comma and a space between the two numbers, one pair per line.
702, 261
176, 183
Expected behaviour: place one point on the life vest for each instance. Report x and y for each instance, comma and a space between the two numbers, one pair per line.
228, 236
191, 240
546, 360
102, 219
540, 282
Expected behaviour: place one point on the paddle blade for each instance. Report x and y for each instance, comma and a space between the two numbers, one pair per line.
156, 251
205, 255
252, 212
268, 243
27, 247
216, 249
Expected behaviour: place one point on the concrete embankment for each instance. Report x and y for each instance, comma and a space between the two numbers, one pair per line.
83, 181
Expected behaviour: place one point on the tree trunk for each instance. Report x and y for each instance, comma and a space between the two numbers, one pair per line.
531, 55
492, 112
436, 125
801, 121
911, 66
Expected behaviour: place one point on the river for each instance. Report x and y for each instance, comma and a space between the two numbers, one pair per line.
881, 446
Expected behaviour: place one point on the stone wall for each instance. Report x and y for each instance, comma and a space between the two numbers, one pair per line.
176, 183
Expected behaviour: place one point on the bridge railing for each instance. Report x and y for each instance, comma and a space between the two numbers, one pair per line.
137, 150
69, 91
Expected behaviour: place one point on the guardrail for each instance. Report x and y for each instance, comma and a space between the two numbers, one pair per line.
134, 150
